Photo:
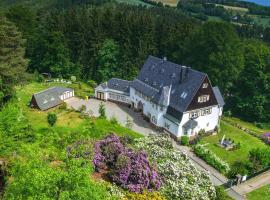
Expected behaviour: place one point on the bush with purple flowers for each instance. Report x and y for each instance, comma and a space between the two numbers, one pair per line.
129, 169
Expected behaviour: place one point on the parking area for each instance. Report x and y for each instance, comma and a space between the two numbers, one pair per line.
119, 111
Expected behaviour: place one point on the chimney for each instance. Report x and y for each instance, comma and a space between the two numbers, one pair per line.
165, 58
187, 73
181, 74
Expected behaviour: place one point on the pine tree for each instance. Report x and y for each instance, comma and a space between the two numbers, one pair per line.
12, 61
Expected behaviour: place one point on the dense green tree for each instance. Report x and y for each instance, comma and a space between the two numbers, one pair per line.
252, 91
12, 60
23, 18
108, 57
216, 50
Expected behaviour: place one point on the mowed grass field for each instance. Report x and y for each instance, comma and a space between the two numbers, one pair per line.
262, 193
247, 143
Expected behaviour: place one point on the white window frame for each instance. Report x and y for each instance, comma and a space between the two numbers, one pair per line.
205, 85
194, 114
203, 98
206, 111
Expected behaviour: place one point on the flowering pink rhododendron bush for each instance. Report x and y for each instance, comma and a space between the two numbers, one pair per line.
129, 169
181, 180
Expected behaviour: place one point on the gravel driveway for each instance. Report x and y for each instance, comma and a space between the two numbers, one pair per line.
121, 112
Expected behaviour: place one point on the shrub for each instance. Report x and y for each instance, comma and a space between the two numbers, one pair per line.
51, 118
239, 167
184, 140
259, 158
129, 123
102, 111
63, 106
131, 170
114, 120
211, 158
144, 196
73, 78
181, 180
92, 83
221, 193
82, 108
259, 125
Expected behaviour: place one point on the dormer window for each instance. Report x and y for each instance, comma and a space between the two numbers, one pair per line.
45, 101
173, 75
184, 95
205, 85
203, 98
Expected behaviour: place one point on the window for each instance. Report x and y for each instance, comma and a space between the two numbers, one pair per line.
194, 114
205, 85
154, 120
184, 95
203, 98
206, 111
167, 126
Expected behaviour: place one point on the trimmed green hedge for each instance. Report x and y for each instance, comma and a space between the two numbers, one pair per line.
211, 158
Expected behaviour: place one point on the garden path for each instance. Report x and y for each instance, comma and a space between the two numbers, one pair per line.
255, 183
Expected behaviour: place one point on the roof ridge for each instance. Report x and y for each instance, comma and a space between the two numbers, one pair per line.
176, 64
146, 84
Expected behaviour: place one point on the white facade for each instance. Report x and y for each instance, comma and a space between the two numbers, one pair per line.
109, 94
206, 118
67, 95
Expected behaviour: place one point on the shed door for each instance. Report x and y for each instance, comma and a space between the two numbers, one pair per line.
100, 95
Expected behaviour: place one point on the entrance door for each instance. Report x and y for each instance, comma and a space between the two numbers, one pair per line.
100, 95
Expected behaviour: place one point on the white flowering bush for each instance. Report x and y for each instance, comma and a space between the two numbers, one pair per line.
181, 180
211, 158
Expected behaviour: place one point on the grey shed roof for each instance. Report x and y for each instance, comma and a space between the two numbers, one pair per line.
50, 98
157, 73
218, 96
119, 84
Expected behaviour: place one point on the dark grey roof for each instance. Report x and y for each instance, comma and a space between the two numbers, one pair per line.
157, 73
190, 124
218, 96
119, 84
50, 98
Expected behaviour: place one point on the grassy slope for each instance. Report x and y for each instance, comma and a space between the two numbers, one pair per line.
262, 193
248, 125
66, 120
247, 141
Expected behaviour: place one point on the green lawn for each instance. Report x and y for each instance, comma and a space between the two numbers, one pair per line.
247, 142
250, 126
262, 193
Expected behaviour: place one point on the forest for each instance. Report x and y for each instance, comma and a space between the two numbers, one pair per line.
97, 40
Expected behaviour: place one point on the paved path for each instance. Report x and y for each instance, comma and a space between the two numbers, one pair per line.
255, 183
121, 112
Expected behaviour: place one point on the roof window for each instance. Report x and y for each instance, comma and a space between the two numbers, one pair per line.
183, 95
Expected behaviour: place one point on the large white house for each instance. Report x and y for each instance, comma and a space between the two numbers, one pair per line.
175, 98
